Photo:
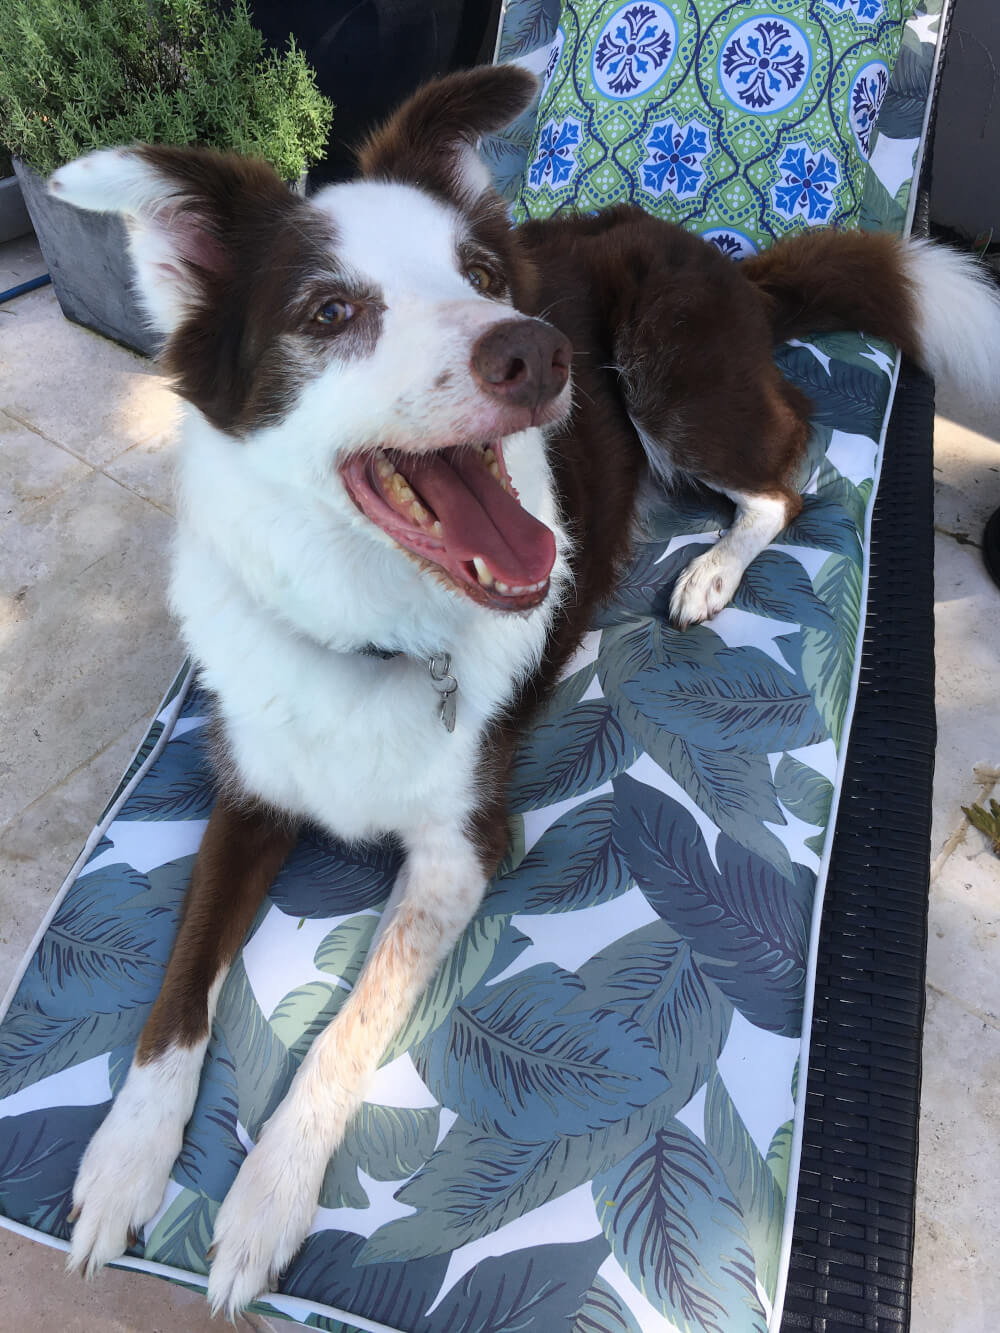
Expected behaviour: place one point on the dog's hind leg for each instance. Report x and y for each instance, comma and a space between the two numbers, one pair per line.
757, 480
710, 581
267, 1213
125, 1169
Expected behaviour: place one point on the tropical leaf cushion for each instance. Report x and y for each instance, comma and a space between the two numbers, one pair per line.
739, 122
591, 1120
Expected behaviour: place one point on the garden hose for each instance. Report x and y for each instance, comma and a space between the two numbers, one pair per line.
23, 287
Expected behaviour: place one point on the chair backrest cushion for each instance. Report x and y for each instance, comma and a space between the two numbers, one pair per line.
740, 121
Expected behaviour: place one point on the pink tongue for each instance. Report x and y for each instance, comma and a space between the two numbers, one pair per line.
480, 518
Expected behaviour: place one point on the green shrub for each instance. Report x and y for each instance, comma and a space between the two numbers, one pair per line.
83, 74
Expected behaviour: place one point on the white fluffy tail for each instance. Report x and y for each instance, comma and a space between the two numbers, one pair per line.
958, 321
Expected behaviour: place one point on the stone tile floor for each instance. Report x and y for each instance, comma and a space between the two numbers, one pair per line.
86, 650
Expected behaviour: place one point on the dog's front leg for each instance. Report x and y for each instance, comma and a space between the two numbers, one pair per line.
267, 1213
125, 1169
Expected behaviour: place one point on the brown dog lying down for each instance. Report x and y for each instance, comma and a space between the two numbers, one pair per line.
412, 447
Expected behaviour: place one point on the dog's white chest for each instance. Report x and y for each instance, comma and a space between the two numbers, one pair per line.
352, 741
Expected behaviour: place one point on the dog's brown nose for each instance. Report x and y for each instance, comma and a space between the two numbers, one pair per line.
523, 362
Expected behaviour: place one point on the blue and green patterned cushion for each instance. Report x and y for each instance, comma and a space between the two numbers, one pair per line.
529, 37
751, 120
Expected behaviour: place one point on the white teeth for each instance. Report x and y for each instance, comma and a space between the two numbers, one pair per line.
489, 456
485, 577
384, 468
418, 511
436, 528
517, 589
495, 471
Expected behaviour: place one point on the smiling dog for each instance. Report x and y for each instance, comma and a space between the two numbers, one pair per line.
413, 444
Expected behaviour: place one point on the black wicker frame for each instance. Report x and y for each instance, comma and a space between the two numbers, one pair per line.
851, 1264
852, 1243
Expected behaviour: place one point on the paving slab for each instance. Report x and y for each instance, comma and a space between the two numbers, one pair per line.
86, 645
73, 386
966, 479
32, 468
963, 947
38, 1296
967, 649
957, 1254
951, 406
147, 468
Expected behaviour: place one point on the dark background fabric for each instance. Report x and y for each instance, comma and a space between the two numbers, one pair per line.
370, 54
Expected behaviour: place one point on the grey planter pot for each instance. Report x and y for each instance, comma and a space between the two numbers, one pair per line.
14, 220
88, 259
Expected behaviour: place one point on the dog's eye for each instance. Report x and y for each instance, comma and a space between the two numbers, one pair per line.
481, 278
333, 313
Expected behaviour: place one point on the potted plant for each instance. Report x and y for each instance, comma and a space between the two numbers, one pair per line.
82, 74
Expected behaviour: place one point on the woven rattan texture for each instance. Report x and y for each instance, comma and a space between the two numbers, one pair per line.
853, 1238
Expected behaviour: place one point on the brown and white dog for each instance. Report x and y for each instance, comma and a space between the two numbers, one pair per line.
385, 444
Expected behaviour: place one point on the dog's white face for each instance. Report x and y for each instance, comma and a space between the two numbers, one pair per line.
422, 368
363, 346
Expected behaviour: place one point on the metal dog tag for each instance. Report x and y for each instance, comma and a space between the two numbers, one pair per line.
447, 686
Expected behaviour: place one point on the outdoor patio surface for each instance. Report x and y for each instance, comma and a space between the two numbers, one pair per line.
87, 650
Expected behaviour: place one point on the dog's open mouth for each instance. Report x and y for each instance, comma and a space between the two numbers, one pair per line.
457, 509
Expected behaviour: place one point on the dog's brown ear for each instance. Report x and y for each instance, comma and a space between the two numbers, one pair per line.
431, 140
184, 207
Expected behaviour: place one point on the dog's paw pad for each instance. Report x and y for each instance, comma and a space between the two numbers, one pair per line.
703, 589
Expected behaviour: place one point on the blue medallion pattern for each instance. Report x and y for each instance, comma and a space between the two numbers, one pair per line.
808, 180
764, 64
865, 11
867, 93
733, 244
634, 50
674, 158
556, 157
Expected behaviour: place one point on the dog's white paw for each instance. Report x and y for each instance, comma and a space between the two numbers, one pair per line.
704, 588
124, 1172
263, 1219
118, 1188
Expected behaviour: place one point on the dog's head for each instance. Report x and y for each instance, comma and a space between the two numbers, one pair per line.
367, 340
